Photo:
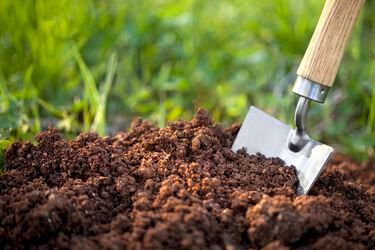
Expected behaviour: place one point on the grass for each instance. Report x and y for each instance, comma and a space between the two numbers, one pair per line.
83, 65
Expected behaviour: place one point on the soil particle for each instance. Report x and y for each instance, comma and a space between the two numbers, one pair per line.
178, 187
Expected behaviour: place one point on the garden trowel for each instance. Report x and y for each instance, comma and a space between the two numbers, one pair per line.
262, 133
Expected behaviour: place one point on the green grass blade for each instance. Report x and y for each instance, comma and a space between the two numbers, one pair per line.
100, 114
91, 97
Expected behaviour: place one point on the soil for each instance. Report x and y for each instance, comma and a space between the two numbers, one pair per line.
178, 187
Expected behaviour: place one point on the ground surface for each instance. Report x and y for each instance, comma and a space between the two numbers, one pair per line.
178, 187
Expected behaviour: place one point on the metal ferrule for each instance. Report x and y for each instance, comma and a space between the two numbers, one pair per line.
310, 89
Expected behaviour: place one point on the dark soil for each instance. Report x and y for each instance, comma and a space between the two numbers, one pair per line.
179, 187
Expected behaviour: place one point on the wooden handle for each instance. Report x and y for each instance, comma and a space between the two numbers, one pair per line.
327, 45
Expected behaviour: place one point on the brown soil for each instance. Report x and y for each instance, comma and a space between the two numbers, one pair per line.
178, 187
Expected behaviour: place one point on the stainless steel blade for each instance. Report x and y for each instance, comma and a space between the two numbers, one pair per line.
262, 133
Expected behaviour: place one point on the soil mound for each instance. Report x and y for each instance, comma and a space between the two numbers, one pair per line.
178, 187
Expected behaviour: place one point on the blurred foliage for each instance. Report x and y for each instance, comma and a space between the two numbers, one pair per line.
82, 65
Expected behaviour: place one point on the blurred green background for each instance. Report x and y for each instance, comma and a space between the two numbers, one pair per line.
94, 65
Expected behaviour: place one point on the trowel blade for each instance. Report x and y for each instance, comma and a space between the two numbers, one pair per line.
261, 133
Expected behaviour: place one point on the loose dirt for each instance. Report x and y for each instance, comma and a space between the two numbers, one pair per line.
178, 187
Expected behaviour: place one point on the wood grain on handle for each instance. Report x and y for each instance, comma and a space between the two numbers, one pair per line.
324, 53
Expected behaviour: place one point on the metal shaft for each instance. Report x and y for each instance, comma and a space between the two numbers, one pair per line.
308, 91
300, 137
